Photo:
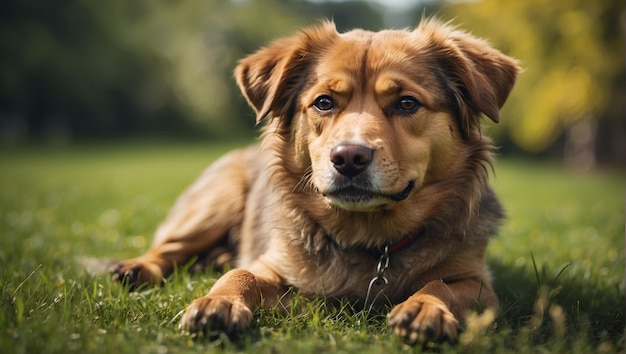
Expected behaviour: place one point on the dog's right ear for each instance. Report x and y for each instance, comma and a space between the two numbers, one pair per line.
271, 78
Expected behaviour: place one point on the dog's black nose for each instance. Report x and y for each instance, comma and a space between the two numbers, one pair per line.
350, 160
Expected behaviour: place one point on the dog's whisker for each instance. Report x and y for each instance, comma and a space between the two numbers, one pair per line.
305, 181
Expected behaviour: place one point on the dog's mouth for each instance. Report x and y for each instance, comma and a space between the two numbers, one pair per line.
404, 194
356, 198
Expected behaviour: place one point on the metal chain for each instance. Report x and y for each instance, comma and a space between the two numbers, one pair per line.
379, 279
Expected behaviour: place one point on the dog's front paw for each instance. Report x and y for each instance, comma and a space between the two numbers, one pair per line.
216, 313
423, 318
137, 272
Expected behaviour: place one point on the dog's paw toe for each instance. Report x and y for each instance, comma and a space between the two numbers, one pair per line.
135, 273
423, 319
123, 273
211, 314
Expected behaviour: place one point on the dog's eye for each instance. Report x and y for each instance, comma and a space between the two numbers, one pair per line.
407, 104
324, 103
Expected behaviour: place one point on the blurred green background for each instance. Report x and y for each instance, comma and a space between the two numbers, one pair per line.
80, 70
108, 109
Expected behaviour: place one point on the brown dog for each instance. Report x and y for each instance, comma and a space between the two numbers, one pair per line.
370, 183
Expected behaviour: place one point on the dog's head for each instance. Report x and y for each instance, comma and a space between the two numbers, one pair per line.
377, 115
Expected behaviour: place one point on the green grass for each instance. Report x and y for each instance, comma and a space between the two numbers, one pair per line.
558, 262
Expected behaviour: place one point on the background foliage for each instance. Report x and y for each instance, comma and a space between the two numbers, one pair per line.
76, 69
573, 85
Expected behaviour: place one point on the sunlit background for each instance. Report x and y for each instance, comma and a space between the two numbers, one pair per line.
77, 70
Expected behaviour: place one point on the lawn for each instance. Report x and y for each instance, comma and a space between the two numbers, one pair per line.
558, 261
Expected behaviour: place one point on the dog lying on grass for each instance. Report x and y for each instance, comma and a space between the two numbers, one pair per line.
370, 182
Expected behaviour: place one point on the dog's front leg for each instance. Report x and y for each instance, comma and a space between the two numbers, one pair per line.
429, 314
203, 216
230, 304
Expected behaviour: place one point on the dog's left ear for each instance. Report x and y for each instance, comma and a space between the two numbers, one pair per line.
271, 78
480, 76
488, 75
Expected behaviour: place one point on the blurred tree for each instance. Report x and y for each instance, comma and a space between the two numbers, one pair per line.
347, 15
74, 69
573, 55
83, 68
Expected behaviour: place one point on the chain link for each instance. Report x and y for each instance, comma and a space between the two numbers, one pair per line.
379, 279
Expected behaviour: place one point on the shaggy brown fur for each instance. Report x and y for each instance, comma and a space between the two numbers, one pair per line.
370, 137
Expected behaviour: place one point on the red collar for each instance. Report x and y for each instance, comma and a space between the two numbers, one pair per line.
398, 245
392, 247
405, 241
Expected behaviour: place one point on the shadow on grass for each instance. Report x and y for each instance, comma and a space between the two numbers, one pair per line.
542, 300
